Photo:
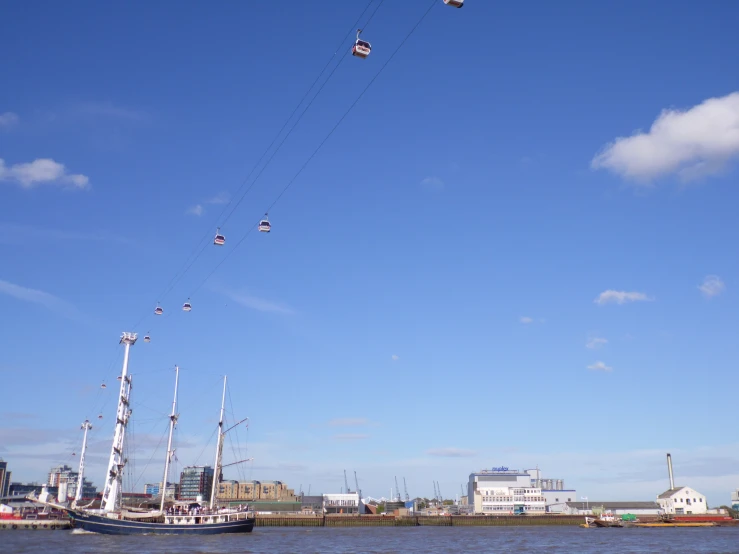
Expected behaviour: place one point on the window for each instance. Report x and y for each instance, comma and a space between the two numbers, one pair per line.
701, 500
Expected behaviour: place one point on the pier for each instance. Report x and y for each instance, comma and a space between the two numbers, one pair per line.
34, 524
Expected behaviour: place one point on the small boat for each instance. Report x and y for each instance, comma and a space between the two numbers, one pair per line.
606, 519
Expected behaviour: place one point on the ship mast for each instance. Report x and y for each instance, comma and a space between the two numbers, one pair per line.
114, 477
172, 422
219, 450
86, 426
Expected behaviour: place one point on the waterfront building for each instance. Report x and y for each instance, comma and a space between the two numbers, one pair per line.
682, 501
504, 491
343, 503
735, 500
254, 491
173, 489
65, 480
24, 489
4, 478
638, 508
553, 490
196, 481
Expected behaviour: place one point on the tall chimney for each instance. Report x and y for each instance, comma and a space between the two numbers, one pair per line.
669, 470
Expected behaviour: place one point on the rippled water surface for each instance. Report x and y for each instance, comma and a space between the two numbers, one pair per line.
387, 540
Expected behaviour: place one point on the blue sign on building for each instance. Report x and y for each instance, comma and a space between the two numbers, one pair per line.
501, 468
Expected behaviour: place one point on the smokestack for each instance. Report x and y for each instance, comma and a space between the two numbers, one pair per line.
669, 470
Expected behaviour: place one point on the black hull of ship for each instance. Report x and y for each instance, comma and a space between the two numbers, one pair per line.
108, 526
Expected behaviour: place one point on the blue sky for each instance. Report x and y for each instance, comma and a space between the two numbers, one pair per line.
472, 271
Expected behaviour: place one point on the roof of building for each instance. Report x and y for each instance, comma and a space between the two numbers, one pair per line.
668, 493
619, 505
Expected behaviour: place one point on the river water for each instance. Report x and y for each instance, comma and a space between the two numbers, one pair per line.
386, 540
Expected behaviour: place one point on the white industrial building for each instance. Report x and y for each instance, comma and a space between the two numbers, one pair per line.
638, 508
342, 503
502, 491
735, 500
553, 490
682, 501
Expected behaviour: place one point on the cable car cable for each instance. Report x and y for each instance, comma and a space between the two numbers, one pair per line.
200, 247
302, 113
318, 148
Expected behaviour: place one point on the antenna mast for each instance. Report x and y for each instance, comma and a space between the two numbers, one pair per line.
219, 450
114, 477
346, 483
86, 426
172, 422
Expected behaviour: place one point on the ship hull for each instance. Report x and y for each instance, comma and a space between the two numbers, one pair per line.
108, 526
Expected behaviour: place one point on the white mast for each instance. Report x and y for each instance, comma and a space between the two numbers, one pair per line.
219, 450
114, 477
172, 422
86, 426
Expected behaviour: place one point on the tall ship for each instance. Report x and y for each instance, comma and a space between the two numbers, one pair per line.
179, 518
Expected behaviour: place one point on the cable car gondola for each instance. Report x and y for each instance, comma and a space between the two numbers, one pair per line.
186, 307
100, 416
158, 310
220, 240
103, 386
264, 225
147, 338
454, 3
361, 48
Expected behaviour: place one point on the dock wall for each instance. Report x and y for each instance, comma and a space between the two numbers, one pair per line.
413, 521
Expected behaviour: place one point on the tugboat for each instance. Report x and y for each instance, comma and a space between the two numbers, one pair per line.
606, 519
194, 519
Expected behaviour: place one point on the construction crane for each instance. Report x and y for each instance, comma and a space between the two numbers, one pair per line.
405, 488
356, 483
397, 488
346, 483
436, 494
438, 488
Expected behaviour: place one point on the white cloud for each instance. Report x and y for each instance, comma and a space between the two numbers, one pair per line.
197, 210
348, 422
712, 286
596, 342
256, 303
15, 234
433, 183
451, 452
220, 198
8, 120
351, 437
48, 301
42, 171
600, 366
526, 319
395, 357
107, 109
691, 143
620, 297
